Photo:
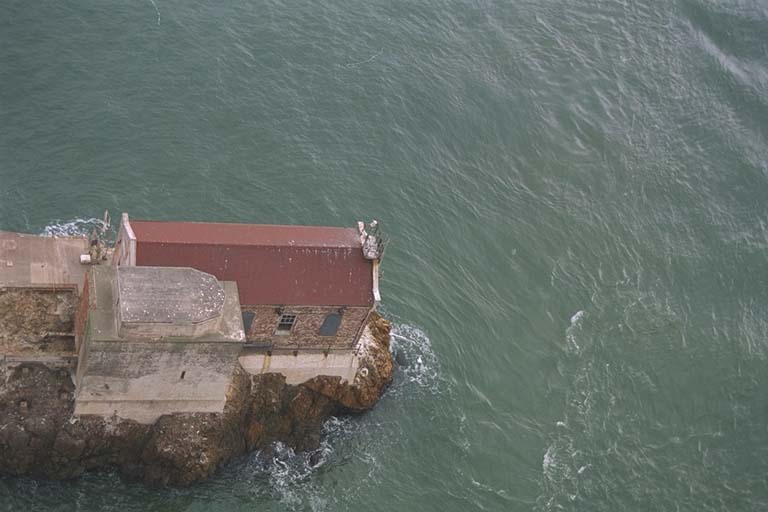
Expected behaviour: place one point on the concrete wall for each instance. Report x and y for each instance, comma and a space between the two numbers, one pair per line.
125, 244
303, 366
143, 380
81, 316
306, 331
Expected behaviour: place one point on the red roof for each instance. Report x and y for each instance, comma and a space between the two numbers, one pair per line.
275, 265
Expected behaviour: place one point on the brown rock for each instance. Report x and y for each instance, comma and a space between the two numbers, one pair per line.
44, 439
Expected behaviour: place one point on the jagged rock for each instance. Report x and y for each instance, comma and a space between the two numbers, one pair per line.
374, 376
39, 435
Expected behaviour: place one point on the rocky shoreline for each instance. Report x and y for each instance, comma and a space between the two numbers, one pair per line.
41, 437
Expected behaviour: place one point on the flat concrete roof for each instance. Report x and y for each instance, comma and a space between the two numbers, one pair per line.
41, 261
103, 324
168, 295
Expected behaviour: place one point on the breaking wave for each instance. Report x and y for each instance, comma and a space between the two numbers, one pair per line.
416, 360
572, 331
353, 449
72, 228
285, 475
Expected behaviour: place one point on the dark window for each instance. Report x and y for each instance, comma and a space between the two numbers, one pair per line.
285, 324
183, 374
330, 325
248, 320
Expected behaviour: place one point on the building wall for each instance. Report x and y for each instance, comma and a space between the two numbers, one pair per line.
306, 330
143, 380
303, 366
81, 316
125, 244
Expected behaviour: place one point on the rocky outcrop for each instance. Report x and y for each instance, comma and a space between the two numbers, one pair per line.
36, 320
40, 436
375, 371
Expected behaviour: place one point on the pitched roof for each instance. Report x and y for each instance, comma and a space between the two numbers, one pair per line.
275, 265
211, 233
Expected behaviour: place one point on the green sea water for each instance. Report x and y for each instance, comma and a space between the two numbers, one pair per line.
575, 192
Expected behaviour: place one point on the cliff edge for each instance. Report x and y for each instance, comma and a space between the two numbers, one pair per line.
41, 436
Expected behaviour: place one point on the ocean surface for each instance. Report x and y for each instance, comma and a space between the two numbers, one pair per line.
575, 192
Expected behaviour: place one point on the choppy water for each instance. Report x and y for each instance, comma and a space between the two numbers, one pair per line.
575, 190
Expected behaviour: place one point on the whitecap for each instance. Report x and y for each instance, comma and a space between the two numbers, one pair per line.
570, 332
73, 227
416, 346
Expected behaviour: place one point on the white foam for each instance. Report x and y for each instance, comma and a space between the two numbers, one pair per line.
548, 460
570, 332
72, 228
294, 480
423, 366
287, 473
157, 11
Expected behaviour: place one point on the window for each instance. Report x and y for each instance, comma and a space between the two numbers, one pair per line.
285, 324
248, 320
330, 325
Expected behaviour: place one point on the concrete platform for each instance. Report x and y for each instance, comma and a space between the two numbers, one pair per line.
39, 262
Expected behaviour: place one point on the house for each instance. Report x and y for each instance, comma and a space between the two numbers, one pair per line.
300, 287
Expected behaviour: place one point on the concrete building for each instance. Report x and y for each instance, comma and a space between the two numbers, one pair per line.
156, 341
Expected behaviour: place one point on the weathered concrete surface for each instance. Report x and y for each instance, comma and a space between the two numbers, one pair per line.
166, 301
40, 436
31, 260
303, 365
150, 370
211, 314
143, 381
